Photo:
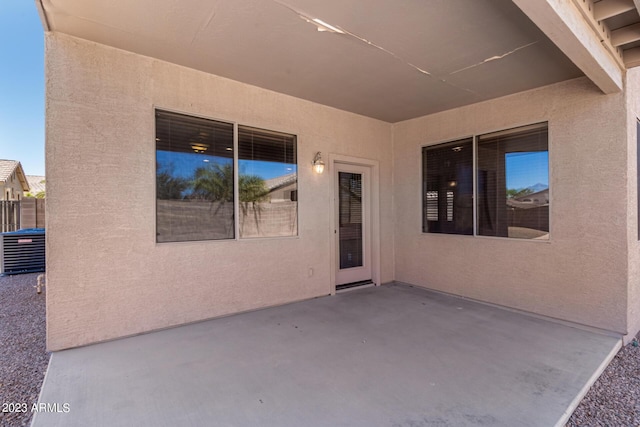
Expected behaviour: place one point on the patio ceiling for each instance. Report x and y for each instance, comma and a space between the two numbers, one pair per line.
384, 59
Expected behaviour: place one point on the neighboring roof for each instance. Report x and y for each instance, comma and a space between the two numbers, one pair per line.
532, 200
7, 167
280, 181
36, 183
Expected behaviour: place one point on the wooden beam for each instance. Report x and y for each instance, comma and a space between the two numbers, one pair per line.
608, 8
563, 23
585, 7
637, 3
632, 57
624, 35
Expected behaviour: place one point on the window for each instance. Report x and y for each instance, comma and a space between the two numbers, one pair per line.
194, 178
195, 174
448, 188
267, 183
512, 185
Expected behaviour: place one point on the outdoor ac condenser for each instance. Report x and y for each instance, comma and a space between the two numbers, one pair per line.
22, 251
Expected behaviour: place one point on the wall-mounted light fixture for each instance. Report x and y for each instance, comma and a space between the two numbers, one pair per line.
318, 164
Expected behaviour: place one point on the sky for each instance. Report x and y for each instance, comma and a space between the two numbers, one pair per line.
185, 164
22, 85
527, 169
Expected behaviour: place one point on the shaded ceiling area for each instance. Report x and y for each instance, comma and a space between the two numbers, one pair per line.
387, 59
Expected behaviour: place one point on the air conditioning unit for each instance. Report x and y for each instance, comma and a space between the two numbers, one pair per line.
22, 251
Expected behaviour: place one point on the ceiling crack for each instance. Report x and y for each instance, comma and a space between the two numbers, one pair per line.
387, 51
460, 87
203, 27
494, 58
357, 37
323, 26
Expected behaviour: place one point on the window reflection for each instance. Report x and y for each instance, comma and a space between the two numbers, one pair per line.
267, 183
513, 183
194, 178
448, 188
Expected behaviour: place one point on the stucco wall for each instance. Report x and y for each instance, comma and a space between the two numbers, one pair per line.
632, 85
106, 276
580, 274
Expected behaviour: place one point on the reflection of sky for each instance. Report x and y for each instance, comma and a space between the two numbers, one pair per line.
265, 170
526, 169
183, 165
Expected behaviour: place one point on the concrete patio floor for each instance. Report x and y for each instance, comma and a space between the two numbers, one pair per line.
393, 355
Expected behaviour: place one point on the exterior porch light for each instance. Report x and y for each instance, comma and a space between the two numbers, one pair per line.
318, 164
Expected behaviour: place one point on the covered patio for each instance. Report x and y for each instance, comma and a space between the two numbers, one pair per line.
392, 355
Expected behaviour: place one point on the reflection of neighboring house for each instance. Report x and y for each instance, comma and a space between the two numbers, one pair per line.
36, 185
283, 188
529, 201
528, 215
13, 181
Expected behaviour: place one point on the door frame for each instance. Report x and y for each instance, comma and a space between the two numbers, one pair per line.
374, 207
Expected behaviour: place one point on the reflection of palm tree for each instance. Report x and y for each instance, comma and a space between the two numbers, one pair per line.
215, 183
252, 190
168, 186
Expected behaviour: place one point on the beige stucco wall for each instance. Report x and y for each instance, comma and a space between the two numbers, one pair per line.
106, 276
580, 274
632, 85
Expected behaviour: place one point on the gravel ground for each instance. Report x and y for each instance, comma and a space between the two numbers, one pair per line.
23, 355
614, 400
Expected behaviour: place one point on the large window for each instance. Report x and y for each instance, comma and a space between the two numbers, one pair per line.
196, 168
511, 185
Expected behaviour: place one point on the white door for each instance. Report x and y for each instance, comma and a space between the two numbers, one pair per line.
353, 223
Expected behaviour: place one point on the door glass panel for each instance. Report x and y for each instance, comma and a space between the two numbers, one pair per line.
350, 219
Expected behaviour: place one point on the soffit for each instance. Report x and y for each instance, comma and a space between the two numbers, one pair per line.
396, 60
616, 24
